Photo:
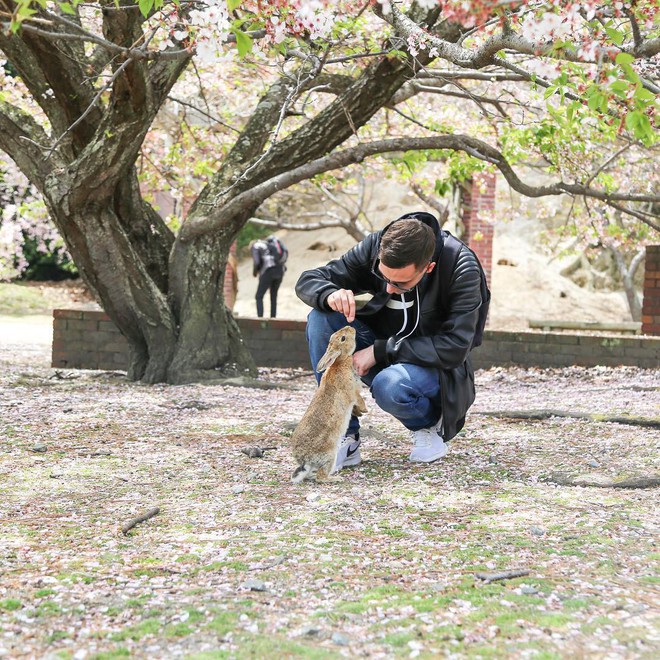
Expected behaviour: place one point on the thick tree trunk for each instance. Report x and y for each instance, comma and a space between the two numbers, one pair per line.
209, 345
120, 248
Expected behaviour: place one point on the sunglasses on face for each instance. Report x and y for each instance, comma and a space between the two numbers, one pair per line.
397, 285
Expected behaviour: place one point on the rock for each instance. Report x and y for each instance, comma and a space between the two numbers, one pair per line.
340, 639
253, 452
594, 464
537, 531
310, 631
237, 489
254, 585
528, 591
39, 448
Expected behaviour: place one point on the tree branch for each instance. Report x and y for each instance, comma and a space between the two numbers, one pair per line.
25, 141
476, 148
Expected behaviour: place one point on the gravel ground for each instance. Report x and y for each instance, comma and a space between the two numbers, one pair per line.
396, 560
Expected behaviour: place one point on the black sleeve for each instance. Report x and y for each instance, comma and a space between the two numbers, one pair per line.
351, 271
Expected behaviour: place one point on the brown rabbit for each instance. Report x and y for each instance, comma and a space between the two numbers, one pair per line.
316, 439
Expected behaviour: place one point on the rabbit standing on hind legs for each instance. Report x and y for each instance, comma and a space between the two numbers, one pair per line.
316, 439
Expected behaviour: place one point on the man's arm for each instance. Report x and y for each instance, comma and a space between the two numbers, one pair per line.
350, 273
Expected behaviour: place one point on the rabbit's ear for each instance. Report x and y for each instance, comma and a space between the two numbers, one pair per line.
328, 359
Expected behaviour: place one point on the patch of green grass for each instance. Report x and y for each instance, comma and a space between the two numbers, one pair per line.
18, 299
138, 631
76, 577
57, 635
48, 608
394, 532
399, 639
276, 646
576, 604
43, 593
120, 652
149, 572
223, 623
180, 629
238, 566
10, 605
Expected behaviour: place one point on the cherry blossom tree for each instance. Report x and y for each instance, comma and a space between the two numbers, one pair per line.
290, 91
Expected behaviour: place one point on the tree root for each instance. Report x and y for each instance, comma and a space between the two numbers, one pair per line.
601, 481
546, 414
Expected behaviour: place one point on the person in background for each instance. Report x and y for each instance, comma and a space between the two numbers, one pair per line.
428, 310
268, 257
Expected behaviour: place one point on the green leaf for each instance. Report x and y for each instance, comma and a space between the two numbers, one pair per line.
624, 58
243, 42
233, 4
145, 6
616, 36
594, 100
619, 86
640, 125
67, 8
642, 94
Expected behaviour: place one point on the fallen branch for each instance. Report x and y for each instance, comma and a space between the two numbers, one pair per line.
601, 481
546, 414
256, 452
243, 381
502, 575
140, 519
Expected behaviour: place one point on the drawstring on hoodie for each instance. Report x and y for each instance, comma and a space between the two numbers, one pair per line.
405, 318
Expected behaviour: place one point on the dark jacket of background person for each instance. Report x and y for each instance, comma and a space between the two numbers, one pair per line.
447, 324
262, 260
268, 259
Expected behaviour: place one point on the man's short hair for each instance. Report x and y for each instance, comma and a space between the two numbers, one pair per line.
407, 242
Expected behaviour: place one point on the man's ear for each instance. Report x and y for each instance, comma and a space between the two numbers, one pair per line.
430, 267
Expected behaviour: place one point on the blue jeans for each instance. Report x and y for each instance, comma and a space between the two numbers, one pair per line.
406, 391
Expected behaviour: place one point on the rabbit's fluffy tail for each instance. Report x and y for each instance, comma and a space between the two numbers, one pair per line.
302, 472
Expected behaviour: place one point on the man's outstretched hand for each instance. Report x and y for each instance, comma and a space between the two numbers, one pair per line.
343, 301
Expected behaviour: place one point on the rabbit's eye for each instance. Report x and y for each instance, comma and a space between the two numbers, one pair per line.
343, 338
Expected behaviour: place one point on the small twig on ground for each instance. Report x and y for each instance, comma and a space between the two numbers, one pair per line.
256, 452
140, 519
546, 414
502, 575
254, 383
601, 481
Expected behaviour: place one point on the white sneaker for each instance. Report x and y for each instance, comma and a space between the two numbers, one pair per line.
429, 446
348, 453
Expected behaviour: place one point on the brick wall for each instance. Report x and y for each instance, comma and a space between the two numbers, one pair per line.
478, 210
85, 339
651, 303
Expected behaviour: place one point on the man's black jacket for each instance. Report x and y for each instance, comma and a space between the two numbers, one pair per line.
447, 324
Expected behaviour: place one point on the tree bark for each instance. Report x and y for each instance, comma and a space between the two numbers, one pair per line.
209, 344
121, 249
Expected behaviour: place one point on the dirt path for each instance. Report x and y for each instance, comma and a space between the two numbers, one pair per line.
241, 563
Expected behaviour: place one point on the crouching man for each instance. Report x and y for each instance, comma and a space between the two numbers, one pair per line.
414, 336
